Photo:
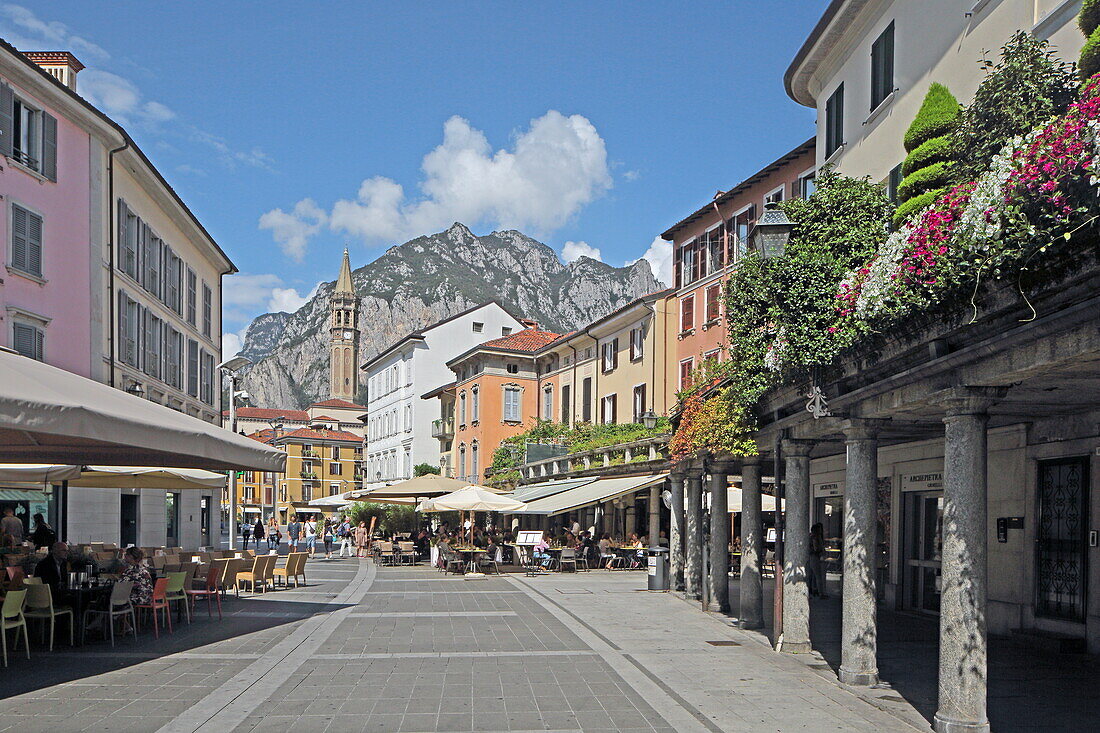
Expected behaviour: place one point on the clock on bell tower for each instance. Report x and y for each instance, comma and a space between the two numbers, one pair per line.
344, 336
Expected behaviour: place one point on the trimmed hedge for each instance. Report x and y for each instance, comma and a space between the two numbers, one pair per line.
930, 151
1088, 20
938, 115
1089, 62
924, 179
915, 205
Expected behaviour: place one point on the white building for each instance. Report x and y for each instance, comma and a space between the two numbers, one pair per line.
867, 66
399, 422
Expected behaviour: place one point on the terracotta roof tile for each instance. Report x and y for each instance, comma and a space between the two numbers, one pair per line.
311, 434
529, 339
338, 403
264, 413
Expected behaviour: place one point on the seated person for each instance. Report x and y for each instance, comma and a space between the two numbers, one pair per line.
54, 568
134, 569
542, 557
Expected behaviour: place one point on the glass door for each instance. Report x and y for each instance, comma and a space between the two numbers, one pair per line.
1062, 543
923, 547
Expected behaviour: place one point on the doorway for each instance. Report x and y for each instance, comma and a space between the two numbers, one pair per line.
172, 519
204, 520
128, 520
923, 550
1062, 543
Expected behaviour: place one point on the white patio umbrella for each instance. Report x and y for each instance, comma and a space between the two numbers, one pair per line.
329, 501
147, 477
37, 473
471, 499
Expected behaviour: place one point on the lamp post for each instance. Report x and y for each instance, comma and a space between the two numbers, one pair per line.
770, 233
649, 419
229, 370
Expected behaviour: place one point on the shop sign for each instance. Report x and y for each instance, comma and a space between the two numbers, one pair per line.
834, 488
922, 482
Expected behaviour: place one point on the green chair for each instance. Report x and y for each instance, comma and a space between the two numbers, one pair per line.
40, 605
176, 591
11, 617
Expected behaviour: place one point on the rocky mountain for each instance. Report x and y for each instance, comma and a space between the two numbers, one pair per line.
426, 280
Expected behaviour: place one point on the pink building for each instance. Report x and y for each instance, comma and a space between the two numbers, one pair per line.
45, 214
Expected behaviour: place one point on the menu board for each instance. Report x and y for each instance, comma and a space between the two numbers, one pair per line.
528, 537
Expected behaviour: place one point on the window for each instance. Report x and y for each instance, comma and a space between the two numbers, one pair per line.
151, 253
333, 489
192, 367
548, 403
170, 288
586, 399
336, 454
807, 184
334, 469
882, 67
475, 393
478, 327
686, 367
505, 331
638, 402
462, 408
462, 461
207, 376
739, 226
610, 354
173, 357
511, 404
129, 228
607, 409
26, 241
687, 263
474, 468
27, 134
207, 297
712, 355
28, 340
513, 368
153, 339
687, 314
129, 330
892, 182
409, 418
637, 343
713, 298
566, 407
775, 197
834, 122
192, 295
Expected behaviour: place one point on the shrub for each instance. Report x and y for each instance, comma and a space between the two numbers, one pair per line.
938, 115
929, 152
1088, 19
1020, 92
1089, 63
914, 205
924, 179
422, 469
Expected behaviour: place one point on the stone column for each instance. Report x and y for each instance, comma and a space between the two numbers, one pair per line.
676, 531
693, 509
962, 704
631, 523
796, 588
752, 546
654, 528
859, 631
719, 536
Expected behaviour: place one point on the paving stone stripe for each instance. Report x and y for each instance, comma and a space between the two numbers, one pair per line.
430, 614
232, 702
439, 592
462, 654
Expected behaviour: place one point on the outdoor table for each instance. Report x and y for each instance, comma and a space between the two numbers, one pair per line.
81, 597
471, 553
627, 553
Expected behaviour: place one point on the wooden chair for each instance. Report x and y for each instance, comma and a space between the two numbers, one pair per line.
210, 592
159, 602
269, 570
11, 617
174, 590
408, 552
386, 554
159, 561
294, 568
233, 568
118, 606
217, 565
254, 576
40, 605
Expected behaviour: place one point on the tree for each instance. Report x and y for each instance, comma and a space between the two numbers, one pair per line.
1088, 20
928, 168
422, 469
1023, 90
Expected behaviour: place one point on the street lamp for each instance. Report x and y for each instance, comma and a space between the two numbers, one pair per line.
771, 231
229, 371
649, 419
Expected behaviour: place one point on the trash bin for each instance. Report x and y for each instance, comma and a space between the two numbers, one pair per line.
657, 562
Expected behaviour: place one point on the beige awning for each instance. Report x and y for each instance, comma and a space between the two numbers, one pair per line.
471, 499
427, 486
592, 493
50, 415
142, 477
37, 473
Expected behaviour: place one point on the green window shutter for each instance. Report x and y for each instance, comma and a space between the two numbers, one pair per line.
34, 244
19, 246
49, 146
28, 341
7, 119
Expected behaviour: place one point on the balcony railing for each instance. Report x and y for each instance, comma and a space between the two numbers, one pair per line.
310, 454
310, 475
639, 456
443, 428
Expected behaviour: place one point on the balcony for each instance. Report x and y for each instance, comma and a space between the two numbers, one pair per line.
310, 454
648, 455
443, 428
308, 475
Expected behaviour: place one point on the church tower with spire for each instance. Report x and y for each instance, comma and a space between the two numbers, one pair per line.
344, 340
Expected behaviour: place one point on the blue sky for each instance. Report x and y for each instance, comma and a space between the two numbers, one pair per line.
293, 129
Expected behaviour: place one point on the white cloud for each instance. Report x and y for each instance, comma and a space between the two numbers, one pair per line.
632, 175
659, 255
231, 345
249, 291
292, 231
17, 20
288, 300
573, 251
229, 157
120, 98
553, 169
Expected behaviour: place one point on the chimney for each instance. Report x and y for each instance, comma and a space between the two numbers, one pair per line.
61, 65
529, 323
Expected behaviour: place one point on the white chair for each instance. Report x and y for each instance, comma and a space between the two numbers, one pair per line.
118, 606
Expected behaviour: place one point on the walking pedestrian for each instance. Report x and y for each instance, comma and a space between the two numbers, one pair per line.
361, 539
294, 532
817, 570
344, 533
311, 536
246, 533
258, 532
326, 538
274, 536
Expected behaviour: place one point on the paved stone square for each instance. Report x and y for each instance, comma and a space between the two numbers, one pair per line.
408, 649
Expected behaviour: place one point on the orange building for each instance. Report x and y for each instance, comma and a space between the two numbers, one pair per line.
708, 244
496, 397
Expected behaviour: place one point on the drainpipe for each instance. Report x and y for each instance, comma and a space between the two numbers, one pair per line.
780, 525
573, 395
111, 239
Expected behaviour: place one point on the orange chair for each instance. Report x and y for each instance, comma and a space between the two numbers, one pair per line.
210, 592
158, 603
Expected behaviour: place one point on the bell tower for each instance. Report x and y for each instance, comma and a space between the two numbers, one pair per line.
344, 340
